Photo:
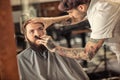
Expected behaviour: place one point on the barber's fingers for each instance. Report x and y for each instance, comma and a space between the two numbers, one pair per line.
48, 43
42, 41
45, 36
94, 49
45, 39
46, 21
87, 47
91, 52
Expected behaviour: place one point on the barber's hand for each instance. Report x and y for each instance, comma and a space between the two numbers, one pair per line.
46, 22
48, 42
91, 49
93, 46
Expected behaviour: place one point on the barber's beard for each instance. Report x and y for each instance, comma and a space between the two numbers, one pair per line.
83, 15
79, 18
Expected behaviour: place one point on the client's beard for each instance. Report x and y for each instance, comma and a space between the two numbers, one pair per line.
37, 48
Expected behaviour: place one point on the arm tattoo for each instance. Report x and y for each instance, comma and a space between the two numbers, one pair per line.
76, 53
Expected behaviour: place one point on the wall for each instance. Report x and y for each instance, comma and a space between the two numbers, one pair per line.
18, 2
8, 62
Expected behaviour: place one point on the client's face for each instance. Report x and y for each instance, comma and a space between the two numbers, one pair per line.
35, 29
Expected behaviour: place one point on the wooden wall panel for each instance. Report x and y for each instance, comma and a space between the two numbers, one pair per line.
8, 63
50, 9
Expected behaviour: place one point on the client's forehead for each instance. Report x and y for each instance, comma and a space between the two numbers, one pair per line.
35, 24
32, 23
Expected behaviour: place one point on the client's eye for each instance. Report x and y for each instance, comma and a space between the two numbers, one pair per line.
31, 31
41, 28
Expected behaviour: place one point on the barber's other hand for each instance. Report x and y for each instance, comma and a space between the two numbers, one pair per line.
91, 49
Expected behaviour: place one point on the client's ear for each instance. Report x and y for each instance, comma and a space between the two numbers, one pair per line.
26, 39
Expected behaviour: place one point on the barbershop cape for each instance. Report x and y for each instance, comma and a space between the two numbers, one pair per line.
48, 66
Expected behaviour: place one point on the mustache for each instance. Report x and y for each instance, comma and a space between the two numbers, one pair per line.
37, 37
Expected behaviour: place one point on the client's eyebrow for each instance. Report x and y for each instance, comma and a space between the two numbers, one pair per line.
39, 23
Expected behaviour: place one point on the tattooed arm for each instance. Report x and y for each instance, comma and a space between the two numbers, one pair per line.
88, 53
76, 53
93, 45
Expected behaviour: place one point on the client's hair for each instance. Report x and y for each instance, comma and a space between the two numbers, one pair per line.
30, 21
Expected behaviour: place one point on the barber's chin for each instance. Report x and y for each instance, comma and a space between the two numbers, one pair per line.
76, 20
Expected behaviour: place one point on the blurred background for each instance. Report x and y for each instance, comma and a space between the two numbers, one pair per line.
103, 66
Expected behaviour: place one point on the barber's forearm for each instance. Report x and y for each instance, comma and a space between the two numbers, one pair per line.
58, 19
92, 46
51, 20
75, 53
